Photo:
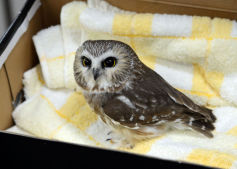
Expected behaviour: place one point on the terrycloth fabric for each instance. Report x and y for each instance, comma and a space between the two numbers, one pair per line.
64, 115
50, 50
33, 86
207, 47
60, 114
16, 130
192, 56
72, 37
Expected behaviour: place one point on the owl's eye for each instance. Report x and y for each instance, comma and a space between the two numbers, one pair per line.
109, 62
85, 61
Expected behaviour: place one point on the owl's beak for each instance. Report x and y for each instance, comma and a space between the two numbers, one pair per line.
96, 73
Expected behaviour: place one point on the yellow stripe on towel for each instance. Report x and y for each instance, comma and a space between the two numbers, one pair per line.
233, 131
201, 27
127, 24
199, 85
197, 93
55, 58
72, 54
53, 133
53, 107
221, 28
149, 61
73, 111
215, 79
43, 58
122, 24
142, 24
40, 76
78, 111
211, 158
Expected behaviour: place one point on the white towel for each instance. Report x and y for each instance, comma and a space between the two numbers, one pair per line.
71, 37
50, 50
16, 130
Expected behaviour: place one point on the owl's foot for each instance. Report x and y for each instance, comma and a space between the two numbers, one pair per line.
117, 139
126, 144
113, 137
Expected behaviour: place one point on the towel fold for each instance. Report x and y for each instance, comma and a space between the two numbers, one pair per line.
60, 114
33, 81
16, 130
50, 50
71, 38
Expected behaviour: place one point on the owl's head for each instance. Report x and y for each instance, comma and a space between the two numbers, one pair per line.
104, 65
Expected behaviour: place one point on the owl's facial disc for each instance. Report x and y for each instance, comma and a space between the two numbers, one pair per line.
103, 65
99, 66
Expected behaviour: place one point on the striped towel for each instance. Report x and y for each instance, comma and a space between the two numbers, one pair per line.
63, 114
194, 54
201, 50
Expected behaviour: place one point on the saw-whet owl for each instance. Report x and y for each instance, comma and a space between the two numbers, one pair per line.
132, 98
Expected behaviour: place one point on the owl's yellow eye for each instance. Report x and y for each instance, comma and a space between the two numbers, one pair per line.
109, 62
85, 61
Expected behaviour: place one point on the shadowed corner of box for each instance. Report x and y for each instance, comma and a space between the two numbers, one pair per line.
6, 99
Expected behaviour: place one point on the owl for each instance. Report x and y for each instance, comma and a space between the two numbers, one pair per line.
132, 98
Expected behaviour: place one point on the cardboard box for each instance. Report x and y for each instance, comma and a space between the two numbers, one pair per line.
17, 54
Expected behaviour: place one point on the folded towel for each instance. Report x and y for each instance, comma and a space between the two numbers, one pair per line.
188, 79
60, 114
16, 130
64, 115
32, 81
207, 45
71, 37
50, 50
220, 66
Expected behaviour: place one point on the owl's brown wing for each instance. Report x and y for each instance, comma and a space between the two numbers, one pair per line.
180, 98
152, 101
